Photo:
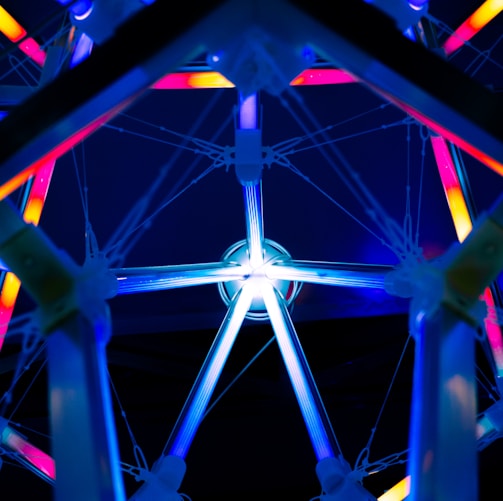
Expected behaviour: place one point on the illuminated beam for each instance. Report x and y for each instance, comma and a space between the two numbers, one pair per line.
308, 398
154, 278
473, 24
327, 273
36, 460
193, 411
254, 224
463, 224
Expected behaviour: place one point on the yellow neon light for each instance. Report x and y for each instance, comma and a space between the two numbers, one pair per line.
398, 492
10, 27
208, 79
10, 290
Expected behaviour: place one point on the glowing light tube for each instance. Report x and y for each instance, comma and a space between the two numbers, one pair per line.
325, 273
452, 188
398, 492
483, 15
248, 112
311, 406
254, 224
154, 278
463, 224
215, 80
10, 27
323, 76
17, 34
32, 211
35, 459
197, 402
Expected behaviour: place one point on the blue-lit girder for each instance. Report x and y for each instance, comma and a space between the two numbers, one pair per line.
197, 402
311, 405
154, 278
338, 274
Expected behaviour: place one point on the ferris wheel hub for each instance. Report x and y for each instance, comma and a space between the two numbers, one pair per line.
273, 252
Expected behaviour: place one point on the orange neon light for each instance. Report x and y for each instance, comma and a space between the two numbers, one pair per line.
483, 15
398, 492
10, 27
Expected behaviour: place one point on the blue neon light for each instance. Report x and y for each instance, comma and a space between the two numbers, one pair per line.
203, 388
301, 378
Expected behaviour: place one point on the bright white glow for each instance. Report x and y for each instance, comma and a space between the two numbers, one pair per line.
207, 379
133, 280
300, 376
254, 224
341, 274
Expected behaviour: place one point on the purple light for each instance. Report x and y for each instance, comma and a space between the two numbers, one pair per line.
82, 50
248, 112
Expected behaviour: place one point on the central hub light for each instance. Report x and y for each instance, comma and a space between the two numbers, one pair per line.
238, 253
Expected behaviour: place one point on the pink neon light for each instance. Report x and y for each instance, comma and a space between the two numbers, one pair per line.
483, 15
35, 456
32, 49
325, 76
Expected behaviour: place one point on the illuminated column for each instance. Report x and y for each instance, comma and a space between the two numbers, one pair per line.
443, 449
74, 315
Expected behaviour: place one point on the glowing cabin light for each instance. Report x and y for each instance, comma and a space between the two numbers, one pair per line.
10, 27
40, 460
398, 492
483, 15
